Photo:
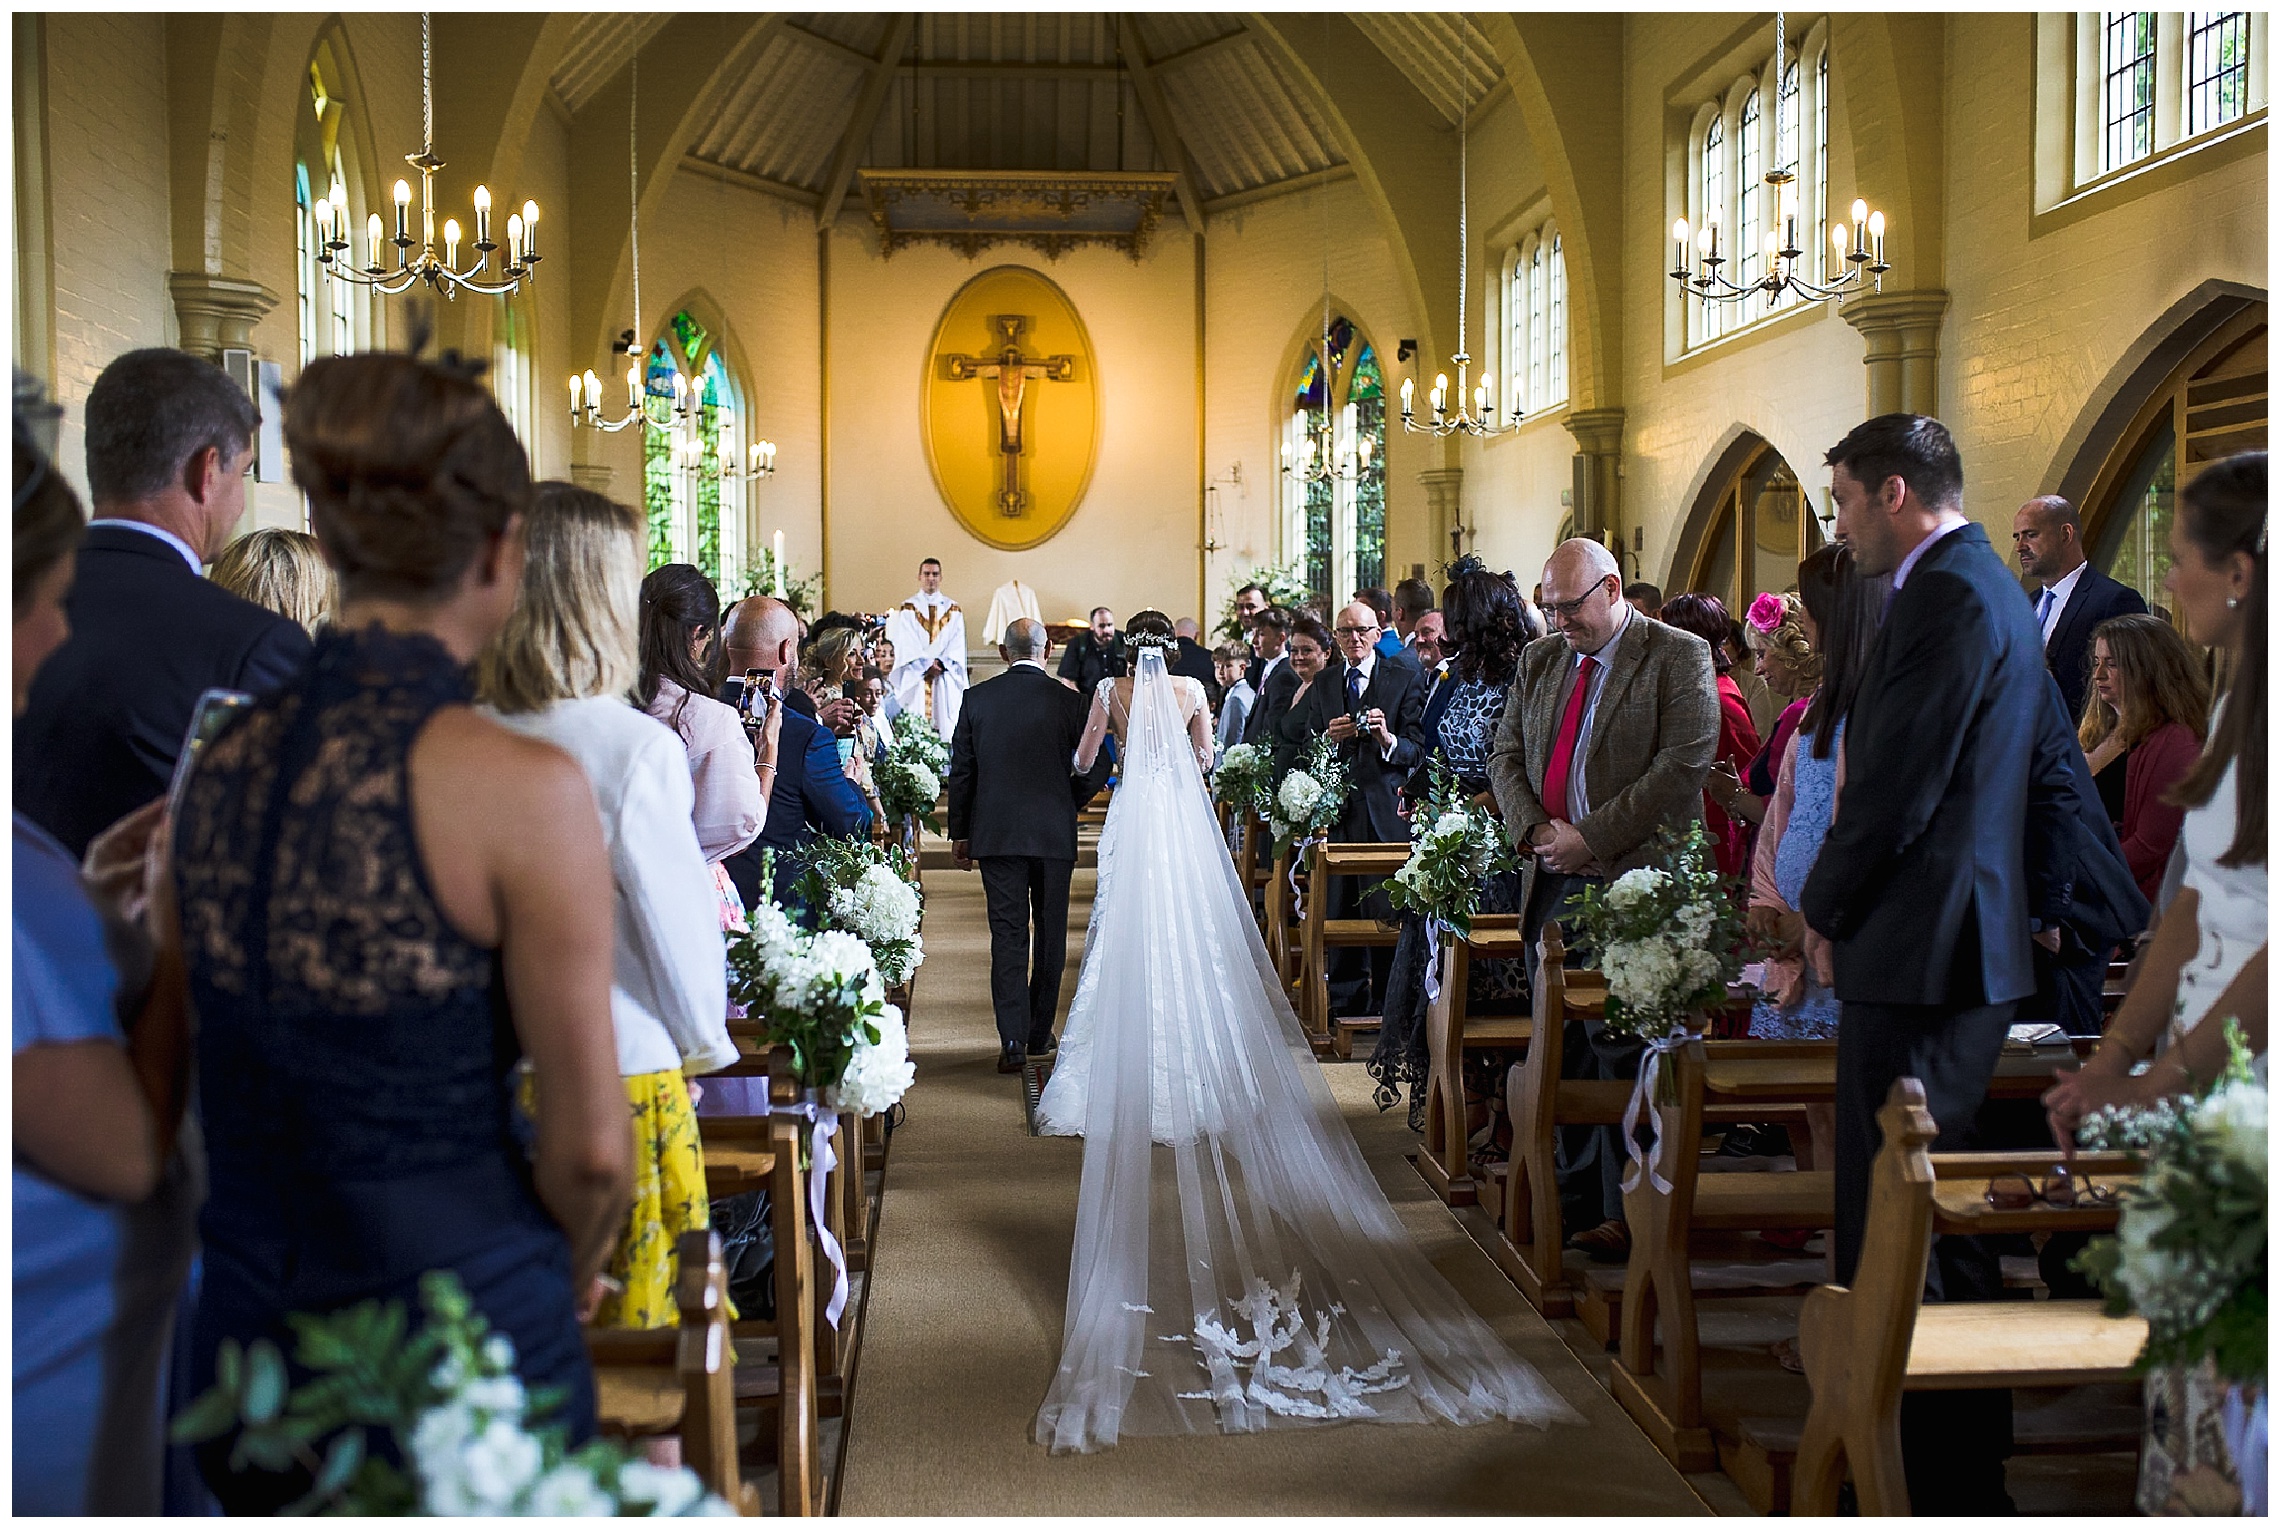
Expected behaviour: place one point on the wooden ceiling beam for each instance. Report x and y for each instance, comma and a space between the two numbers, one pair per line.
830, 45
1150, 91
865, 119
1211, 45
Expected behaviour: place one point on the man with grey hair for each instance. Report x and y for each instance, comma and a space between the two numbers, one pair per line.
2072, 597
1606, 740
169, 438
1014, 801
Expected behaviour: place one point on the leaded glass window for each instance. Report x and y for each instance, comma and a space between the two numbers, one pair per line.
1335, 527
1749, 263
1555, 331
2126, 104
1714, 212
2216, 68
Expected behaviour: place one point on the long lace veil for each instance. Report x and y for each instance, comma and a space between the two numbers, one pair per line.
1236, 1265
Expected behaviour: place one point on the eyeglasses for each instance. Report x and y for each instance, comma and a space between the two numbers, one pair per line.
1355, 631
2060, 1190
1570, 607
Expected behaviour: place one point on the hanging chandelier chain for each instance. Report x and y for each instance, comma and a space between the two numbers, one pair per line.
1464, 124
427, 84
633, 182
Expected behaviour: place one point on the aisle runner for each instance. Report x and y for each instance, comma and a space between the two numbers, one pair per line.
966, 1299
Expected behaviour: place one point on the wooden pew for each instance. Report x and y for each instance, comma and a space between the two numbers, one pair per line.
1866, 1345
1282, 944
1320, 934
850, 1217
1530, 1241
1445, 1162
1658, 1281
669, 1380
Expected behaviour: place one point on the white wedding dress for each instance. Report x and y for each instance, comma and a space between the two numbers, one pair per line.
1236, 1265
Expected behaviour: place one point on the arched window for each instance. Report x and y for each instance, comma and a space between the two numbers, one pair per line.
1749, 251
2214, 403
1555, 339
332, 315
691, 493
1788, 157
1336, 526
1538, 318
1821, 163
1511, 365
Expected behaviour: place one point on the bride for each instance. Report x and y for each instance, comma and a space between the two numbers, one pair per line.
1236, 1265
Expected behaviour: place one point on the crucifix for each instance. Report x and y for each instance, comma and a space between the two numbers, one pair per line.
1011, 370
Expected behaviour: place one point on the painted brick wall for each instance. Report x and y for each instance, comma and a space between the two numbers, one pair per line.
107, 164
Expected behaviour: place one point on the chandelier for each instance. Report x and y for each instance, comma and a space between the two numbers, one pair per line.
443, 274
1859, 246
720, 465
1480, 418
586, 390
1334, 449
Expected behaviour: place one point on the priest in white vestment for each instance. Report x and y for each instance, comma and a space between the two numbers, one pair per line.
929, 634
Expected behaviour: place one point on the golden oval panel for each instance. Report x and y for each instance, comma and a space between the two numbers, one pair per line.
1012, 408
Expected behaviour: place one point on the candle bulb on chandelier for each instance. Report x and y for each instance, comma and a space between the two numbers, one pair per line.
577, 385
372, 228
451, 242
1876, 233
514, 240
632, 389
530, 232
1860, 226
593, 392
1678, 237
483, 219
323, 212
1440, 392
1408, 392
403, 211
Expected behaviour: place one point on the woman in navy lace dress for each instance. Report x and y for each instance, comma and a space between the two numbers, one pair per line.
1487, 624
386, 901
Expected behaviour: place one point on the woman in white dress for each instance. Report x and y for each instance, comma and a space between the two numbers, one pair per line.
1236, 1265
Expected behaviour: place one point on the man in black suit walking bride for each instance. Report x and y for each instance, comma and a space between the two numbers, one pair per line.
1014, 799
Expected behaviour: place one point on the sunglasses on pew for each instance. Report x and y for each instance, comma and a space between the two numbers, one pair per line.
2060, 1190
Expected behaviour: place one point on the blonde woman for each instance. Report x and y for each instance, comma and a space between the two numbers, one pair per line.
560, 671
836, 663
283, 571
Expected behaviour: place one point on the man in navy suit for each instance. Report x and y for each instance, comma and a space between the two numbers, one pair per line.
812, 794
2073, 598
169, 438
1922, 883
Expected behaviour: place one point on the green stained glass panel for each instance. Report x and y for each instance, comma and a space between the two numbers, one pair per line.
657, 491
690, 334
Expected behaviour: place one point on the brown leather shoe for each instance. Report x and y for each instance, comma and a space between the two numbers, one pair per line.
1607, 1243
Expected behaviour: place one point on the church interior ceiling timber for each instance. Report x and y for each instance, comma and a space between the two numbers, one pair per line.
1031, 91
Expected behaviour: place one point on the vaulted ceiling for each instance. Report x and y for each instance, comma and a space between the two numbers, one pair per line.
1197, 93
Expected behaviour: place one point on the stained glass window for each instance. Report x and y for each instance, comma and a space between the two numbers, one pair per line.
693, 501
1368, 398
1335, 526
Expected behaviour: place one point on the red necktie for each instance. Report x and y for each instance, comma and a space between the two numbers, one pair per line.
1562, 763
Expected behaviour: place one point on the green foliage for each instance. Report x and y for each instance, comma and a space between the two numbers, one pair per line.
2191, 1254
1244, 778
1285, 586
1668, 935
1455, 847
803, 595
1306, 804
839, 880
917, 766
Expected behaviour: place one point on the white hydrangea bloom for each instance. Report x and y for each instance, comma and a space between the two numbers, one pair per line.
1299, 796
570, 1491
877, 1075
1456, 824
1635, 887
670, 1492
2234, 1121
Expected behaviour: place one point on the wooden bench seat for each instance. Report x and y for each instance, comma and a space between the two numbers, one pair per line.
1319, 934
1451, 1031
1867, 1344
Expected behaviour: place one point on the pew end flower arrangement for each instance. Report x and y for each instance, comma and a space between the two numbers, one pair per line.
871, 892
2190, 1255
1244, 778
1286, 587
822, 996
1306, 806
910, 778
1455, 846
466, 1432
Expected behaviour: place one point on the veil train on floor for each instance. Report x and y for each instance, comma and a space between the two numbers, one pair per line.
1236, 1265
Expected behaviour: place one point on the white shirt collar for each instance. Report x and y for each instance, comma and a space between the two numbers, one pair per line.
189, 553
1946, 528
1027, 663
2065, 587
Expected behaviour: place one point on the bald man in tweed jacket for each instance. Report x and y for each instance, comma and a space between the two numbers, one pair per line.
1637, 743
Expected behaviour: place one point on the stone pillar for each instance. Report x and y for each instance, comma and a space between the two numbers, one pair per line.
593, 476
1445, 509
1903, 334
1598, 483
217, 313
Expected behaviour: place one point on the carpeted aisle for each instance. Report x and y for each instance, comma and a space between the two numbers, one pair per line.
964, 1322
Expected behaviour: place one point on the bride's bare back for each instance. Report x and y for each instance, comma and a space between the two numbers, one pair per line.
1112, 712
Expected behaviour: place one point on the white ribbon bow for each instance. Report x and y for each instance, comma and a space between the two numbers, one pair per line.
1297, 859
1642, 1101
821, 1160
1433, 927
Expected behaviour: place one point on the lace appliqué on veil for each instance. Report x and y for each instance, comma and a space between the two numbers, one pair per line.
1306, 1388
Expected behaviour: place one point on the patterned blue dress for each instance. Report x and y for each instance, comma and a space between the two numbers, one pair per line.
355, 1051
1815, 783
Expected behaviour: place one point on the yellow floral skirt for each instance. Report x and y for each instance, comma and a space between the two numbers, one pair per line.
668, 1199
